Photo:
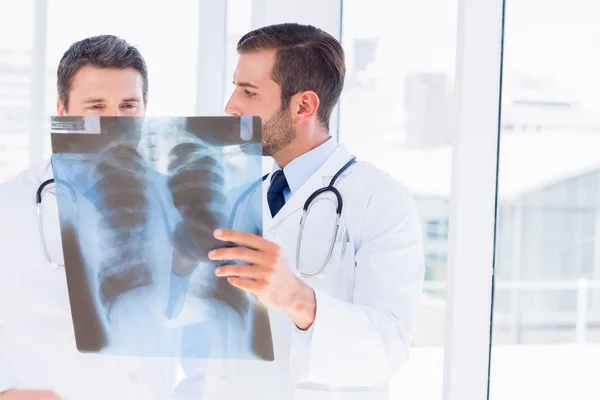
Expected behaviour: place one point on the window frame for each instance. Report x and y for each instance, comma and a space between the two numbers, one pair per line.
473, 201
473, 205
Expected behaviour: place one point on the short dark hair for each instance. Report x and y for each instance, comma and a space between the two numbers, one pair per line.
103, 51
308, 58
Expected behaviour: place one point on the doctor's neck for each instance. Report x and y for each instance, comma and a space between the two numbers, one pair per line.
302, 143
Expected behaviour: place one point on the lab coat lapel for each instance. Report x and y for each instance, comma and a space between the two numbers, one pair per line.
321, 178
44, 171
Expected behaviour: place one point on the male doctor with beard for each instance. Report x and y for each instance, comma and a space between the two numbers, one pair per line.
343, 307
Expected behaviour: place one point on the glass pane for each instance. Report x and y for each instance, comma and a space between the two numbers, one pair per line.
170, 51
395, 112
167, 36
546, 317
239, 22
16, 47
239, 19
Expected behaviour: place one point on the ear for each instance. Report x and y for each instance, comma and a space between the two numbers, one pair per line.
60, 108
304, 106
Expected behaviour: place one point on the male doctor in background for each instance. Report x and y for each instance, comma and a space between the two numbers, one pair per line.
98, 76
345, 333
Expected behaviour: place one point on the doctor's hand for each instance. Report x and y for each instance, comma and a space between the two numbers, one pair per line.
28, 395
269, 276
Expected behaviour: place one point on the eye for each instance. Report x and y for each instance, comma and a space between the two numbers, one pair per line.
95, 107
249, 93
130, 106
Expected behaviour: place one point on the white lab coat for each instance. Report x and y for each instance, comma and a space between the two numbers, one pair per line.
37, 344
367, 298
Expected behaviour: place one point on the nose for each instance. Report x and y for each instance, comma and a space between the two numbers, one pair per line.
232, 107
113, 111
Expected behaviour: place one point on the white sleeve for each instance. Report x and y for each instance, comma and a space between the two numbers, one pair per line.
192, 385
365, 342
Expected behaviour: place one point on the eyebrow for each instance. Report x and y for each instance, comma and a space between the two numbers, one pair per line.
100, 100
246, 84
94, 100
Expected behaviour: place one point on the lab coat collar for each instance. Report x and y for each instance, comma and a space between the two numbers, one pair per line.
300, 169
43, 170
319, 179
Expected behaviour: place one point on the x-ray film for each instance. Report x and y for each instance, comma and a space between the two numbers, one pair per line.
139, 199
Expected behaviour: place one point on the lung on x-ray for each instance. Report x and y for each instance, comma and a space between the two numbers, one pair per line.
139, 199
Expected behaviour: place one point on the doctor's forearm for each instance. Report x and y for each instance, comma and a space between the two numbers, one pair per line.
304, 308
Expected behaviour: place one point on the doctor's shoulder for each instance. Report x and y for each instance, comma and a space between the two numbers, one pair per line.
385, 200
378, 183
14, 190
17, 195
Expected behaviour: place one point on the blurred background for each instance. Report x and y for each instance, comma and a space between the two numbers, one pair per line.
396, 112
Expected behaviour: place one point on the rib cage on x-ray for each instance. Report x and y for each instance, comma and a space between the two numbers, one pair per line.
149, 193
197, 187
197, 184
121, 200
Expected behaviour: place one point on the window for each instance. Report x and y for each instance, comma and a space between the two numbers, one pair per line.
170, 52
239, 20
436, 229
400, 103
548, 252
395, 113
16, 78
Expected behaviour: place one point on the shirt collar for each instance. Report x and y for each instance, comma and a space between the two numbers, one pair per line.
300, 169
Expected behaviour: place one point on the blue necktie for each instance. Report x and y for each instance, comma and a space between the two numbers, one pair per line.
275, 196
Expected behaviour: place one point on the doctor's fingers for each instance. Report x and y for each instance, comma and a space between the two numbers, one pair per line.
257, 272
28, 395
241, 254
247, 239
252, 286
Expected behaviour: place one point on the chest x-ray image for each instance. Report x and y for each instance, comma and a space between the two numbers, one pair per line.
139, 199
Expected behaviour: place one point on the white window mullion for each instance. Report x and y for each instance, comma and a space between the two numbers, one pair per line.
37, 125
473, 202
212, 43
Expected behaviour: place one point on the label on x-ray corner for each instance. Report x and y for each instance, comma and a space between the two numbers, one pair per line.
246, 127
75, 125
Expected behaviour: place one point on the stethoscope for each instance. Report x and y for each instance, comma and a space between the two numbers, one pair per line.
243, 196
38, 210
311, 198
